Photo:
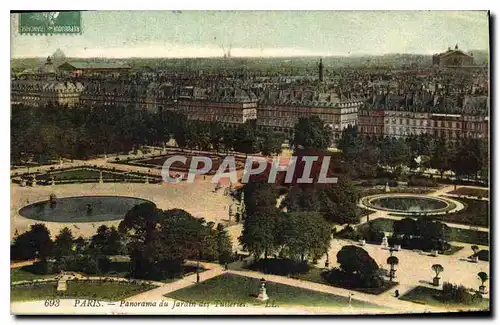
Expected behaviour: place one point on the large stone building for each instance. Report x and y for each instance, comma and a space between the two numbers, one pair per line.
77, 68
279, 111
394, 116
229, 106
43, 88
452, 59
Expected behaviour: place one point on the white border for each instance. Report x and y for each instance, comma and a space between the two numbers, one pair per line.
198, 5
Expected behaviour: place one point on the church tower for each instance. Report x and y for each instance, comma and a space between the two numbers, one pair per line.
320, 70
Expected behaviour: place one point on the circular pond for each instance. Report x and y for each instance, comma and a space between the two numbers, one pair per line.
81, 208
409, 204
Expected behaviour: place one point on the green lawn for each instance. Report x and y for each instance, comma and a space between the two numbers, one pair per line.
101, 290
23, 274
475, 213
386, 225
469, 236
430, 296
471, 192
82, 173
314, 275
243, 290
39, 291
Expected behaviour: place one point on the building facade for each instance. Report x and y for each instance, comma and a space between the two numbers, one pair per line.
452, 59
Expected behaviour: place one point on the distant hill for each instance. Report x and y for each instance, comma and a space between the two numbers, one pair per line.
290, 65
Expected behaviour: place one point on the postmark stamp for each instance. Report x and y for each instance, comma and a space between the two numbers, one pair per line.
46, 23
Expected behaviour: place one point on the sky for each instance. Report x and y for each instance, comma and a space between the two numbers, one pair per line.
171, 34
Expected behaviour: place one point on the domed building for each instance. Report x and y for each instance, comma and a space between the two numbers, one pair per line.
48, 71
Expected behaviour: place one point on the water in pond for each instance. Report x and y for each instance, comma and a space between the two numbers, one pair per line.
81, 209
409, 204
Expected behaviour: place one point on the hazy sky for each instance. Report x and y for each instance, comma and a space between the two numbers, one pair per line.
260, 33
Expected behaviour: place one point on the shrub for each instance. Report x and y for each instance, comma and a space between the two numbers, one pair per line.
457, 294
348, 232
422, 181
280, 266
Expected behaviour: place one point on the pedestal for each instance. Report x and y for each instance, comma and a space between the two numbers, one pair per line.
385, 242
262, 294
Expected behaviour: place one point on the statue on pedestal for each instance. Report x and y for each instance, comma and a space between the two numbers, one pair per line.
262, 291
100, 177
387, 189
385, 242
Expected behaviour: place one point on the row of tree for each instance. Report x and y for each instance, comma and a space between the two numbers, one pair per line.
466, 157
52, 131
157, 242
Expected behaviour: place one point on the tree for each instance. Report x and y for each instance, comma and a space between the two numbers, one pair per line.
483, 277
406, 226
270, 144
63, 245
258, 194
441, 156
259, 235
338, 202
301, 198
35, 243
392, 261
140, 220
437, 268
245, 138
312, 133
108, 241
224, 245
304, 234
356, 261
161, 251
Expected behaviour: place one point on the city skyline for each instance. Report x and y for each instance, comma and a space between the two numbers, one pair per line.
191, 34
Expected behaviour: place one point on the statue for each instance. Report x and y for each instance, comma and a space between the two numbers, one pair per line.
262, 291
385, 242
387, 189
100, 177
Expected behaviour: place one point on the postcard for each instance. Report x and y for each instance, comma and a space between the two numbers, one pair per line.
250, 162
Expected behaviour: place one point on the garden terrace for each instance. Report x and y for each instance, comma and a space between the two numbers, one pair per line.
243, 290
87, 175
83, 289
158, 161
475, 237
474, 213
434, 297
476, 192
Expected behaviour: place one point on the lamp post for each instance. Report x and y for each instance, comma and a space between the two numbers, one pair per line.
198, 271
